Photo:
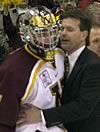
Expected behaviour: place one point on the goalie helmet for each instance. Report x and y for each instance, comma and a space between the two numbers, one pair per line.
39, 28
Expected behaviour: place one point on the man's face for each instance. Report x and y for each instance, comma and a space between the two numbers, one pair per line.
47, 39
95, 39
44, 38
72, 37
68, 4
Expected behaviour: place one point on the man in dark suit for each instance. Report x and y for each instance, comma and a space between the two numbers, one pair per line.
80, 110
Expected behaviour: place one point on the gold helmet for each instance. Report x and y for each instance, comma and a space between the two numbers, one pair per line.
38, 27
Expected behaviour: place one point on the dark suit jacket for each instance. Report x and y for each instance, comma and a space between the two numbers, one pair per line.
80, 110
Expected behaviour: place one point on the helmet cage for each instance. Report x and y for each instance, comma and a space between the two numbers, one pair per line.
45, 38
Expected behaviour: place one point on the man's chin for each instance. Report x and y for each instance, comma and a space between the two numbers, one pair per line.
64, 47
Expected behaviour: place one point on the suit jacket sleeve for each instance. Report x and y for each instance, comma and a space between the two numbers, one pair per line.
83, 104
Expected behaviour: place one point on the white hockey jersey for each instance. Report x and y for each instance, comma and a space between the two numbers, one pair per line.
44, 81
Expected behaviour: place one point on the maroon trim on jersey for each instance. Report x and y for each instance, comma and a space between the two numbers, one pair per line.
14, 77
32, 51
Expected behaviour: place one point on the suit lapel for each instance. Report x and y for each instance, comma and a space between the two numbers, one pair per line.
77, 67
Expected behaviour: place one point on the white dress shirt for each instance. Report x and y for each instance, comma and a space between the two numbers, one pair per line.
73, 58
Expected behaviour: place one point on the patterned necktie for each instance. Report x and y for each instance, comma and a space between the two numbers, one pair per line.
66, 64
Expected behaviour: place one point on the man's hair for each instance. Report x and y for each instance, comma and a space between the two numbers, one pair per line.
96, 24
85, 20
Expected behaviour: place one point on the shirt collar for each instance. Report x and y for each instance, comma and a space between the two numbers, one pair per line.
73, 57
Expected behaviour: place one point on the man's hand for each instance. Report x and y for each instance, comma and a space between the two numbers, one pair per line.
29, 114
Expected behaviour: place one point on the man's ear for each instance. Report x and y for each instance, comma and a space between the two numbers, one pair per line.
84, 35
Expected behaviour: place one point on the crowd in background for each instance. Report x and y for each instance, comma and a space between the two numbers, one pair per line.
9, 36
